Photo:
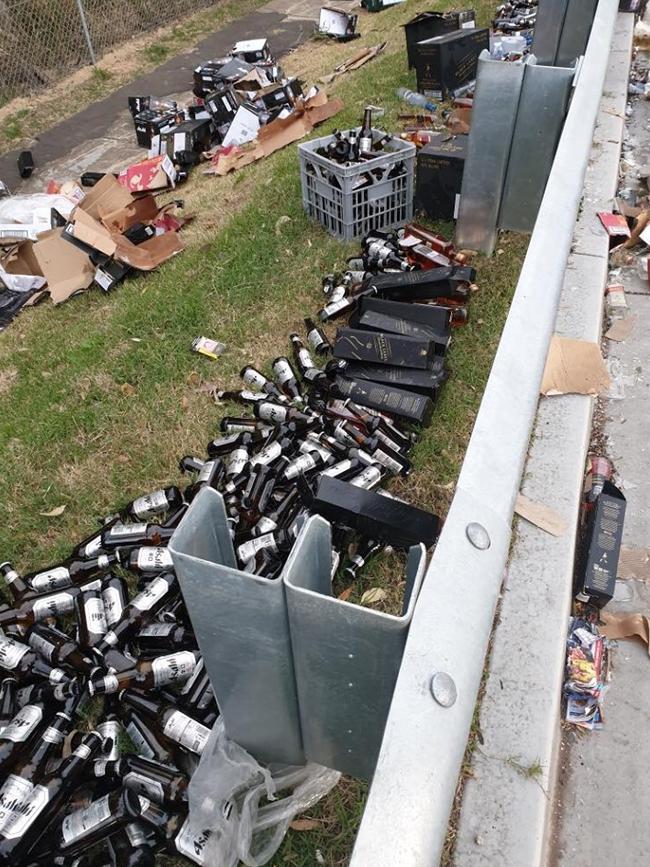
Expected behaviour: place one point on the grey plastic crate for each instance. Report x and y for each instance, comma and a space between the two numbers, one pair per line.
349, 213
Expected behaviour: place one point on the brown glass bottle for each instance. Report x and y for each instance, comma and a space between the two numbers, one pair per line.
140, 611
156, 637
156, 503
19, 661
146, 737
69, 573
148, 673
91, 618
103, 817
59, 649
131, 535
162, 784
131, 847
115, 596
175, 725
17, 586
45, 801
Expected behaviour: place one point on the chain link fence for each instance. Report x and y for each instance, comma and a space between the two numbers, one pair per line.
42, 40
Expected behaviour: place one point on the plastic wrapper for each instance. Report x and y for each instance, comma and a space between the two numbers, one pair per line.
34, 209
243, 809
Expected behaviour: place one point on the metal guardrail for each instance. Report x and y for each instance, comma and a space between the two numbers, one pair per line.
406, 817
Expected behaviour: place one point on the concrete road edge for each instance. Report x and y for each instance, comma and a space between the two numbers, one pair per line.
507, 803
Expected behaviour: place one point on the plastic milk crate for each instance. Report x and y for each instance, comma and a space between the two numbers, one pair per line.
330, 197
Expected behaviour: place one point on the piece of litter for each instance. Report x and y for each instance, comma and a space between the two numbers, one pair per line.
53, 513
621, 329
574, 367
207, 346
540, 515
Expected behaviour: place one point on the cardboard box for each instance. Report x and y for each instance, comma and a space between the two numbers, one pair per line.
67, 269
252, 50
244, 127
149, 123
427, 25
278, 95
425, 382
338, 23
138, 104
222, 104
446, 65
596, 573
394, 401
382, 347
156, 173
435, 321
440, 166
109, 275
191, 135
377, 320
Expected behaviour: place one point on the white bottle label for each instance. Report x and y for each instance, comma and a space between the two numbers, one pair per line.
267, 454
174, 666
150, 505
265, 525
253, 377
118, 530
187, 732
113, 607
23, 724
52, 735
237, 462
366, 478
157, 630
139, 741
53, 579
11, 653
136, 837
315, 340
152, 593
301, 465
248, 550
53, 606
144, 786
272, 412
337, 469
282, 370
90, 550
79, 823
95, 616
20, 804
206, 469
336, 306
192, 843
387, 461
305, 358
154, 559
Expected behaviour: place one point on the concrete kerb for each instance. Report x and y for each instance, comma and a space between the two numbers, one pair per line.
508, 801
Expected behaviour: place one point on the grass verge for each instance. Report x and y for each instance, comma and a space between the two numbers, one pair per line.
98, 397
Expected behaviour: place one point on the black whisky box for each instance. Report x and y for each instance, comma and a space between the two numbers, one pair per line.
426, 382
393, 401
446, 65
382, 347
440, 166
596, 573
426, 25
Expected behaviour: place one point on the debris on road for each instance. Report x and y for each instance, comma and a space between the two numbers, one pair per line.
338, 24
574, 367
587, 673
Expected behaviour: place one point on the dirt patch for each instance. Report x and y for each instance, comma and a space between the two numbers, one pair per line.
7, 378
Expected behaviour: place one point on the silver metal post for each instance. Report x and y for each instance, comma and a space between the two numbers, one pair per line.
84, 25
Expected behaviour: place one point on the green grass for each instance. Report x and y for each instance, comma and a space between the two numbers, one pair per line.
71, 433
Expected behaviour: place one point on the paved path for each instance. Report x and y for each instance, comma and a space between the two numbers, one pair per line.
101, 137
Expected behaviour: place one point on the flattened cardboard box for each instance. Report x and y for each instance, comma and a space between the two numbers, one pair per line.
66, 268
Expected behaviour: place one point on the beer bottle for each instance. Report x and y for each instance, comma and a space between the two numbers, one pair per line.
276, 542
91, 618
19, 661
58, 648
244, 397
147, 560
167, 825
280, 516
147, 777
191, 842
345, 469
45, 799
257, 492
197, 694
17, 586
115, 596
111, 729
174, 518
224, 445
121, 535
155, 637
239, 458
238, 425
365, 136
46, 693
301, 354
149, 742
255, 378
156, 503
147, 674
34, 609
211, 476
285, 376
131, 847
103, 817
175, 725
69, 573
316, 337
371, 476
140, 610
190, 464
309, 462
365, 550
8, 702
91, 547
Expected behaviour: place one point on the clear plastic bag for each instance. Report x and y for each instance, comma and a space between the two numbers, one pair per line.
243, 809
33, 209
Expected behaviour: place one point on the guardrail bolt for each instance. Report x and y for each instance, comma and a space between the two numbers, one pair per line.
443, 689
478, 536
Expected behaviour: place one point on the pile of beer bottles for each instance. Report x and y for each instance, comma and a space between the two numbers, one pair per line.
515, 16
103, 640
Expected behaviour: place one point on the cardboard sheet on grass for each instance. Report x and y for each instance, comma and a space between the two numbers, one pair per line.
574, 367
278, 134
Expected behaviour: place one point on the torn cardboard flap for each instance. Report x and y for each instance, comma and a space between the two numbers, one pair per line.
142, 210
574, 367
87, 230
634, 625
621, 329
634, 563
66, 268
21, 260
540, 515
107, 195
